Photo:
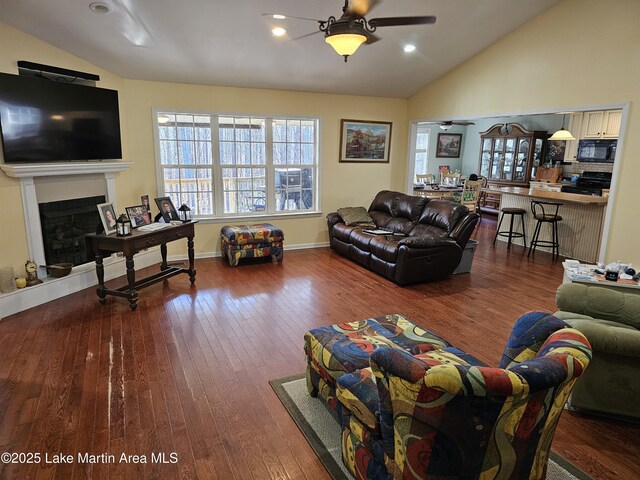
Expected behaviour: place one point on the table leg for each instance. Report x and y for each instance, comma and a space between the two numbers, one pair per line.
101, 291
131, 278
192, 270
163, 252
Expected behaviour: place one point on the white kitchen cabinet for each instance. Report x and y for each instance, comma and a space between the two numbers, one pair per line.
575, 127
601, 124
611, 123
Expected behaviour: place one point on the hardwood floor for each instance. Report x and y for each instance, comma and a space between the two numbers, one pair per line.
186, 373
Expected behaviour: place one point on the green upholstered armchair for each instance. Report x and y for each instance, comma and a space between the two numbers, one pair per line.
610, 319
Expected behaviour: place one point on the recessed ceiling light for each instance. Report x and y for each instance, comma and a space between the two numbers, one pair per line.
278, 16
100, 8
278, 31
408, 48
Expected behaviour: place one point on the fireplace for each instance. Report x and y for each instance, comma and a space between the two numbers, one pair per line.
64, 224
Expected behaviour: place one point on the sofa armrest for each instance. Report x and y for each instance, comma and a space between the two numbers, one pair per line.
607, 336
599, 303
333, 218
426, 242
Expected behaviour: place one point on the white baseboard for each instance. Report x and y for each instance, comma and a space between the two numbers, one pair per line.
82, 276
299, 246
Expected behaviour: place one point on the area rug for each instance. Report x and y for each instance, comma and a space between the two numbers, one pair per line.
323, 432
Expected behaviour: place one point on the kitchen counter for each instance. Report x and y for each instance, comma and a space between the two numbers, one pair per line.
579, 232
549, 195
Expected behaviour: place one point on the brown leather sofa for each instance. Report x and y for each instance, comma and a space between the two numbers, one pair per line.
430, 236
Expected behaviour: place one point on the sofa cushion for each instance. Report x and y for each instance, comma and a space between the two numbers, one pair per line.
409, 207
385, 247
443, 214
356, 216
361, 239
384, 202
343, 232
609, 336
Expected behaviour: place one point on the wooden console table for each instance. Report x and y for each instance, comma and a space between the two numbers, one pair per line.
100, 245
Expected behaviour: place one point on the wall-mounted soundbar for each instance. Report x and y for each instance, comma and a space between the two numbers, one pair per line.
31, 69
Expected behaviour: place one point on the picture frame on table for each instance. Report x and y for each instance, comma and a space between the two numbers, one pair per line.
167, 209
448, 145
108, 217
139, 215
364, 141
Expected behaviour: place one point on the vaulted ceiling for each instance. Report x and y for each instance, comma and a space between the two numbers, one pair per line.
230, 42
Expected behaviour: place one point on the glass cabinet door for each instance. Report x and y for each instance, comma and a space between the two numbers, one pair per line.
524, 144
537, 157
509, 151
496, 160
485, 158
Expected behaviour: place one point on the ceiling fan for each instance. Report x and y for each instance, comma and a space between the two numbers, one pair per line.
446, 125
346, 33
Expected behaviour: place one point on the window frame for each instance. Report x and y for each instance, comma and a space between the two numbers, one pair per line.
216, 167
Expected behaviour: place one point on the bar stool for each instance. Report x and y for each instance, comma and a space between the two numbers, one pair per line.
545, 216
510, 233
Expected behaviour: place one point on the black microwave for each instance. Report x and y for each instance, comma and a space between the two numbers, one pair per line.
601, 151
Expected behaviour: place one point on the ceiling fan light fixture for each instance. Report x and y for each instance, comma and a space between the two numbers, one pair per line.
345, 44
445, 126
409, 47
278, 31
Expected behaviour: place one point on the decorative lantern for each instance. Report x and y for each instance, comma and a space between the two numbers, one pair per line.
185, 213
123, 226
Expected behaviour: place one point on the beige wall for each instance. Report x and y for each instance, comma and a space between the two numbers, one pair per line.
578, 53
17, 45
340, 184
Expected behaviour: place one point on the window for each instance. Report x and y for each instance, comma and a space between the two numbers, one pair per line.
421, 149
238, 165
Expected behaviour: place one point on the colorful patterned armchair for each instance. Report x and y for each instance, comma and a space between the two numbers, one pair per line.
443, 414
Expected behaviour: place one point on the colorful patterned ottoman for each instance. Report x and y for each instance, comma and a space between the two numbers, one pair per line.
251, 241
336, 350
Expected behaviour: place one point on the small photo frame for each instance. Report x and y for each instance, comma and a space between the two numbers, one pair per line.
448, 145
167, 210
144, 199
108, 217
364, 141
139, 215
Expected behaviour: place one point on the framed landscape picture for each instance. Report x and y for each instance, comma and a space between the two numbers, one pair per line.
448, 145
364, 141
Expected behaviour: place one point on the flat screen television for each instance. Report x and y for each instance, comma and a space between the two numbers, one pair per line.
44, 120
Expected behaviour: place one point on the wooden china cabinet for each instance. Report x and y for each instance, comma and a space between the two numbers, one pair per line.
509, 156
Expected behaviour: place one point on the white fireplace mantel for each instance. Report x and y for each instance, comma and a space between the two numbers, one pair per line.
22, 170
61, 172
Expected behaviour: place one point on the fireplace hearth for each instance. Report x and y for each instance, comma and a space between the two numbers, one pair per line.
64, 224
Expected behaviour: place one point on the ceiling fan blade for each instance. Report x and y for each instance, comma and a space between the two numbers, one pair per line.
359, 8
289, 16
400, 21
371, 38
464, 123
305, 35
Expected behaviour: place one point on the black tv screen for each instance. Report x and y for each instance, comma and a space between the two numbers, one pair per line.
44, 120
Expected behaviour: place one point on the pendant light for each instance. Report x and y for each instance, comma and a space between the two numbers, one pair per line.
562, 134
